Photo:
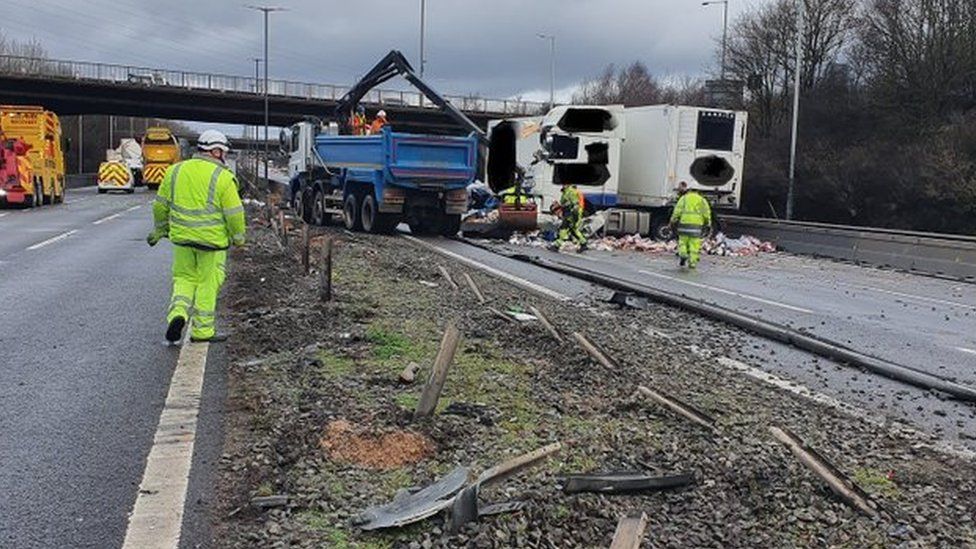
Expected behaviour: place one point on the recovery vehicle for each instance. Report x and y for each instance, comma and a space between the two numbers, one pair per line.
160, 150
15, 173
377, 181
40, 130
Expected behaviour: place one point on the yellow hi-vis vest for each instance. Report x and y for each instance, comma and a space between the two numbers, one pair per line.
691, 213
197, 205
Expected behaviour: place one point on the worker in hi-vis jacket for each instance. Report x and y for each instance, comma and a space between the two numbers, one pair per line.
691, 217
199, 210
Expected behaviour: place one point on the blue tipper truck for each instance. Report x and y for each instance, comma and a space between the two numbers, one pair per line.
376, 182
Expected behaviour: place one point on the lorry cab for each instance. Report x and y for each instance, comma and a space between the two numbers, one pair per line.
160, 150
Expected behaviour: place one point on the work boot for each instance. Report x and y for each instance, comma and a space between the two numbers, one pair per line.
682, 261
583, 247
174, 332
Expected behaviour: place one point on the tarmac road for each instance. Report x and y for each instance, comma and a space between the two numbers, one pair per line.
922, 322
85, 370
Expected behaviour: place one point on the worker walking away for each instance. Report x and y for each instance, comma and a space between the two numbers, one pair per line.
571, 211
358, 124
198, 208
690, 218
378, 123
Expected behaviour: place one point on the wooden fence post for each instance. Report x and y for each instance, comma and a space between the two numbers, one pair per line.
325, 275
438, 375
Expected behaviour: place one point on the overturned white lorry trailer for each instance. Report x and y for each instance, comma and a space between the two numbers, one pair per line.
628, 159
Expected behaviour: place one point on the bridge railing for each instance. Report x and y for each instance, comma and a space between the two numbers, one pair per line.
162, 78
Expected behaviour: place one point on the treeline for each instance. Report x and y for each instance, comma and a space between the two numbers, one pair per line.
888, 109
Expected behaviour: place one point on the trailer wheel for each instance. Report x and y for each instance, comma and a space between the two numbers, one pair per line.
368, 215
350, 213
450, 225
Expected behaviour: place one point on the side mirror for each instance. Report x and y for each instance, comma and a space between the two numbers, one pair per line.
284, 140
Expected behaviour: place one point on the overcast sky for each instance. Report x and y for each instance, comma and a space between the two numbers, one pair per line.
485, 47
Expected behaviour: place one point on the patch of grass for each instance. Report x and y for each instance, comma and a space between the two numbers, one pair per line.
876, 482
334, 366
407, 400
314, 519
264, 489
560, 512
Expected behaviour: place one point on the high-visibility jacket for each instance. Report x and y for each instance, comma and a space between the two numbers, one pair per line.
691, 213
197, 205
377, 126
358, 123
572, 201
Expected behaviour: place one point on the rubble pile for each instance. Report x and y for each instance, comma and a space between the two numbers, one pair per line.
718, 245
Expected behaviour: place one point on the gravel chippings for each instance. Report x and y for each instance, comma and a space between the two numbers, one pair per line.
317, 411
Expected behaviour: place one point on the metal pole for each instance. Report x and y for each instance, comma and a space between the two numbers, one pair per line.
111, 131
257, 85
267, 152
552, 72
801, 8
423, 31
725, 34
81, 144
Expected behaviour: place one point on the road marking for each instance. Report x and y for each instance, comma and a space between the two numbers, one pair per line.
730, 292
52, 240
113, 216
157, 515
965, 350
532, 286
3, 214
918, 297
802, 391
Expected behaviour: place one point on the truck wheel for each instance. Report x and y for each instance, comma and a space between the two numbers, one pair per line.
661, 229
350, 212
300, 205
102, 191
450, 225
318, 214
368, 215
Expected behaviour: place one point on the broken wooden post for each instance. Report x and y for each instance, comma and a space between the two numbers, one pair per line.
325, 274
447, 276
474, 288
305, 251
438, 374
501, 315
838, 482
630, 532
545, 322
680, 408
282, 225
594, 351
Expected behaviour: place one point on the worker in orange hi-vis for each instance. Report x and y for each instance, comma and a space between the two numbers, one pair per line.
378, 123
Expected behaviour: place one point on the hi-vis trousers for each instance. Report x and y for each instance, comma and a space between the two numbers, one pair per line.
197, 278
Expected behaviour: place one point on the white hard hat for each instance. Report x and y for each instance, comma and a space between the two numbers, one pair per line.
381, 114
213, 139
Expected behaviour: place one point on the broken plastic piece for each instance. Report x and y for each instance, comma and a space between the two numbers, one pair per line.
622, 483
407, 509
629, 300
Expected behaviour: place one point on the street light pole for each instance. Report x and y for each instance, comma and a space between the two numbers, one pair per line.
552, 67
725, 28
257, 87
266, 10
423, 32
800, 22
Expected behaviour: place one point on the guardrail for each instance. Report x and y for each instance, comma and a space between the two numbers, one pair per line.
163, 78
945, 255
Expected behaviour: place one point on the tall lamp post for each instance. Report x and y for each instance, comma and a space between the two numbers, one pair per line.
552, 67
257, 87
423, 32
725, 27
266, 10
800, 22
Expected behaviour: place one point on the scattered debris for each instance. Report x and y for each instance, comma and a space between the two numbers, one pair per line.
484, 414
545, 322
500, 314
629, 300
386, 451
500, 508
595, 352
629, 533
268, 502
623, 483
447, 277
717, 245
438, 374
838, 482
409, 373
428, 283
474, 288
410, 508
520, 315
680, 408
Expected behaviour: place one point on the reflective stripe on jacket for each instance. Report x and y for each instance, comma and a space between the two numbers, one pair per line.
198, 205
571, 200
691, 213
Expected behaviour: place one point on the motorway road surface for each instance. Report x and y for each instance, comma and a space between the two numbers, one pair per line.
918, 321
85, 370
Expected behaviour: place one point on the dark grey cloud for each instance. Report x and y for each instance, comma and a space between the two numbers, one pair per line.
486, 47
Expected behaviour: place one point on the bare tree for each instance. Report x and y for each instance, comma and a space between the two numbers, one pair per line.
634, 85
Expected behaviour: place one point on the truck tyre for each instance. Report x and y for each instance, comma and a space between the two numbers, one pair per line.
102, 191
368, 214
350, 212
661, 228
300, 204
450, 225
318, 214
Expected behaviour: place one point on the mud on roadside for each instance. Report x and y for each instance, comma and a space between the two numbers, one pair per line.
317, 412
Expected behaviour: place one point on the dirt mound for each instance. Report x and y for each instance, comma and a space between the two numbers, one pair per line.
386, 451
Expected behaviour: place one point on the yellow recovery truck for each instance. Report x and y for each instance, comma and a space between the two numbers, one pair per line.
160, 150
41, 131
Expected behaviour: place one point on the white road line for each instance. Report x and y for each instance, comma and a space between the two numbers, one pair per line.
52, 240
157, 515
531, 286
4, 214
935, 443
730, 292
918, 297
107, 218
966, 350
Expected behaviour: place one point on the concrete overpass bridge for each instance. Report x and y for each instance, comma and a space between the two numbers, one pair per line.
77, 87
